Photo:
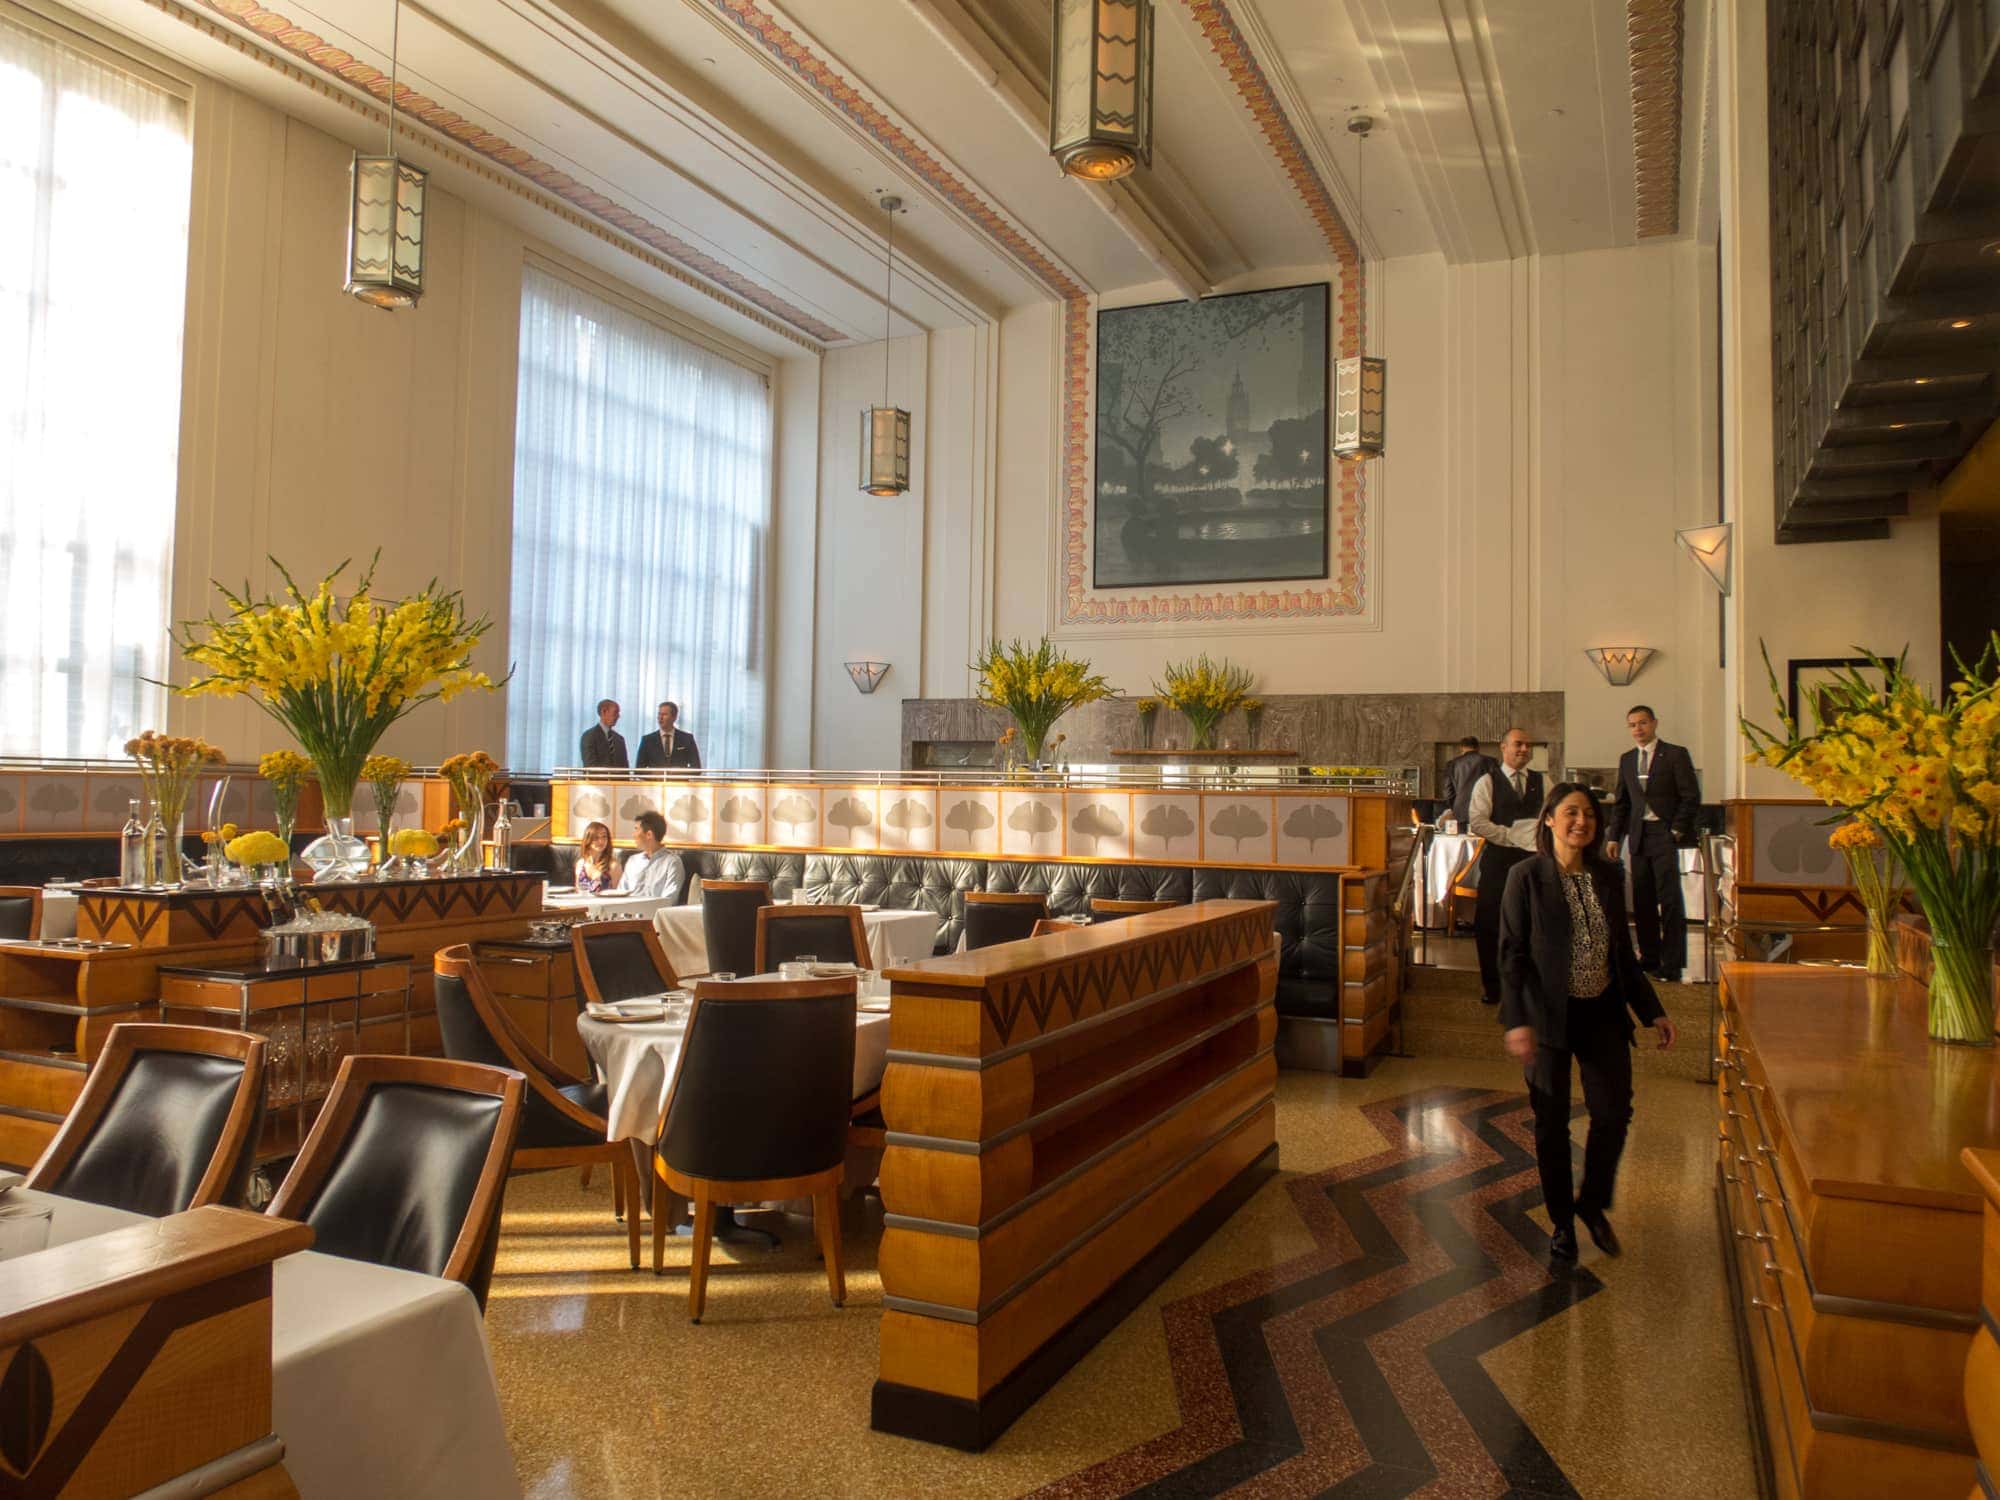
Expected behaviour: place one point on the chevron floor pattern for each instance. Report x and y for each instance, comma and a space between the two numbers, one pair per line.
1380, 1319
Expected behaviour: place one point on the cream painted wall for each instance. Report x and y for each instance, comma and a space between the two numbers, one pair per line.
1548, 433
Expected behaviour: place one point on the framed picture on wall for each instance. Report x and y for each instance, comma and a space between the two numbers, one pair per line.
1212, 441
1806, 677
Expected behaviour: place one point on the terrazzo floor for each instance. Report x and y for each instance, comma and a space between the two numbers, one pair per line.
1378, 1320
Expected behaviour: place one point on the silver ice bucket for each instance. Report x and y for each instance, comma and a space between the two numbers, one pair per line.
322, 940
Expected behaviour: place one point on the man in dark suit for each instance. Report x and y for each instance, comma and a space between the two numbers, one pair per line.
667, 747
1461, 773
603, 747
1504, 808
1658, 800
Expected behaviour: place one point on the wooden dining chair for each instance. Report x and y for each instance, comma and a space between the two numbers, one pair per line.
1001, 916
406, 1166
619, 960
758, 1109
1049, 926
1464, 887
831, 934
563, 1117
167, 1121
729, 923
20, 913
1105, 908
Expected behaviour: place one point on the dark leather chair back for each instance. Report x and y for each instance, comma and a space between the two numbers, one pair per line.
468, 1037
622, 965
158, 1135
764, 1087
400, 1189
990, 922
729, 925
18, 916
827, 933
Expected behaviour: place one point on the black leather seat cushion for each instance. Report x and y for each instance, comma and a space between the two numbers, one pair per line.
467, 1039
904, 882
791, 931
17, 917
622, 965
593, 1095
1070, 887
781, 872
991, 922
156, 1138
399, 1192
765, 1090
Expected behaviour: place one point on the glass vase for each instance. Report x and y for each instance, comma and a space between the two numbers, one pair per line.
1882, 944
1201, 733
466, 856
1253, 726
337, 854
1961, 991
1148, 727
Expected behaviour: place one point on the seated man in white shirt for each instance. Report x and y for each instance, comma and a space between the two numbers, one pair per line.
651, 870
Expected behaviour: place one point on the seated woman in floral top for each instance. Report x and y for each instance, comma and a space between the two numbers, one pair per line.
596, 865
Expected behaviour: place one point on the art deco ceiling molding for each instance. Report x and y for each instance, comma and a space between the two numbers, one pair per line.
1654, 32
519, 171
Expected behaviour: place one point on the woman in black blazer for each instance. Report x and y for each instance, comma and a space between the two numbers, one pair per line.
1570, 986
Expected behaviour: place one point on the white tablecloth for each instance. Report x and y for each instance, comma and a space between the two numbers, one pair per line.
1444, 862
638, 1058
895, 938
58, 915
381, 1383
603, 908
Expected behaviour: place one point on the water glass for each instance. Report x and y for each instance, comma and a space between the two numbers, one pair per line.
722, 976
24, 1228
678, 1003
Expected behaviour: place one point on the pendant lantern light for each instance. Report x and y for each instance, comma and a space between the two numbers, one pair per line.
1101, 87
885, 429
385, 215
1361, 384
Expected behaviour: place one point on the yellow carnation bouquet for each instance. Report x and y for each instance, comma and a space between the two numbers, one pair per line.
1037, 685
413, 843
336, 672
287, 771
258, 847
168, 765
1203, 691
1924, 773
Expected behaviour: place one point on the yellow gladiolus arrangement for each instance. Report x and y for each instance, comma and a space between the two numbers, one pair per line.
1203, 691
1923, 772
258, 847
336, 672
1036, 685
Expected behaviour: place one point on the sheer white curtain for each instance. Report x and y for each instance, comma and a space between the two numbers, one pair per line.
642, 496
94, 174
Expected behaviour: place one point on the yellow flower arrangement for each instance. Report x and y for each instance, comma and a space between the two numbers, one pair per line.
1923, 772
336, 672
220, 835
1148, 705
413, 843
288, 772
258, 847
385, 775
168, 765
1036, 685
470, 774
1203, 691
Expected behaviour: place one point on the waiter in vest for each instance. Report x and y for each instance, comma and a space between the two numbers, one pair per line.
1506, 805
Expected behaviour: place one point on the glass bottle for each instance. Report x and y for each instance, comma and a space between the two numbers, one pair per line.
158, 871
503, 837
132, 850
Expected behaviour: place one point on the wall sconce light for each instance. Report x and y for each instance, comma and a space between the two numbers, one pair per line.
1709, 546
867, 675
1620, 664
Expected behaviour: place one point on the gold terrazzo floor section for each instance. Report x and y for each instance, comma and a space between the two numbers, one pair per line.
609, 1392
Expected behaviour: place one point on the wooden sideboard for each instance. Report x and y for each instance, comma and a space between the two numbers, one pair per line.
1851, 1230
1067, 1118
58, 1004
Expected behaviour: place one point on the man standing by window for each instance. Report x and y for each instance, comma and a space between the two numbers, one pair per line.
1506, 805
1658, 801
603, 746
668, 747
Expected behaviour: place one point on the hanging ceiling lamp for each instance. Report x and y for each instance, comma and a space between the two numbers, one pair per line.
385, 215
1360, 385
885, 429
1101, 87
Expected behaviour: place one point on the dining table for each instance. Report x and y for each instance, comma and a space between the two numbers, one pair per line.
381, 1381
602, 906
896, 937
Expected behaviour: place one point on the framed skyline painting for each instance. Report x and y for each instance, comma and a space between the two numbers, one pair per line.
1212, 440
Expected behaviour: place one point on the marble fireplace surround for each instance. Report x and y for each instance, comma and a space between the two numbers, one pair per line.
1377, 729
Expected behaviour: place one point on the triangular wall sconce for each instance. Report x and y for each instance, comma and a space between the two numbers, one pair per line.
1620, 664
1710, 546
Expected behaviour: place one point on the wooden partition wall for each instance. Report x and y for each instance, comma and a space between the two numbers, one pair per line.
139, 1361
1067, 1118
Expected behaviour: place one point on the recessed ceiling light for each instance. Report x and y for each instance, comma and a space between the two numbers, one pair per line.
1961, 322
1922, 380
1991, 247
1898, 426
